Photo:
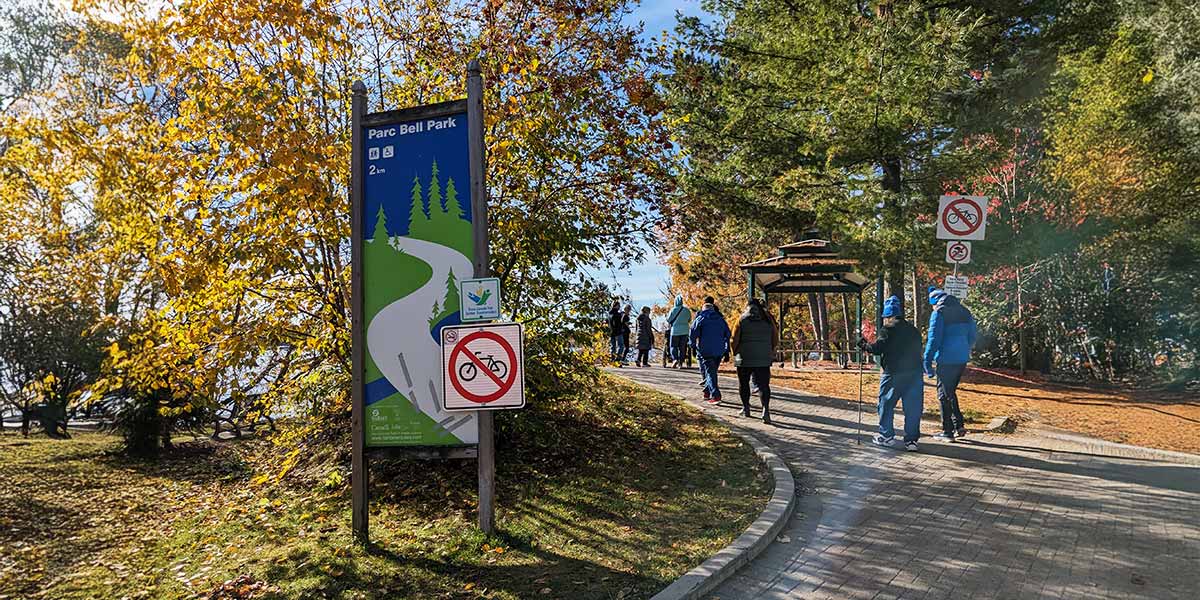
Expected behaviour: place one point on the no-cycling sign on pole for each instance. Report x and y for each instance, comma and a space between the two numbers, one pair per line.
483, 367
962, 217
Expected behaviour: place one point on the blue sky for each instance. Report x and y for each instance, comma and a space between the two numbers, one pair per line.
644, 282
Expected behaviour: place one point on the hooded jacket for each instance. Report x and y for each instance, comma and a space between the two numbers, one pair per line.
710, 332
679, 318
754, 339
952, 332
615, 326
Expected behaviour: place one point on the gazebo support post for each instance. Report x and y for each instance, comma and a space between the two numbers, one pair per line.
858, 438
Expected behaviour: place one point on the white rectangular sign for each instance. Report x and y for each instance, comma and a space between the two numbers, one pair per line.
958, 253
956, 286
962, 217
479, 299
483, 367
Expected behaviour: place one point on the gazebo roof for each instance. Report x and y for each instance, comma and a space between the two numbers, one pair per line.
811, 265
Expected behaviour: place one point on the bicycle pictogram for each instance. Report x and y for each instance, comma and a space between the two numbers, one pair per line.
468, 370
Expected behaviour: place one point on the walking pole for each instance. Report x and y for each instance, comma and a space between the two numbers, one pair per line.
858, 438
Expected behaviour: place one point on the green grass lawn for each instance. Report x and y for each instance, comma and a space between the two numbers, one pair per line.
611, 495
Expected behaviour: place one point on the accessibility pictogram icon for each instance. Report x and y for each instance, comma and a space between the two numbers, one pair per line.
483, 367
962, 217
958, 253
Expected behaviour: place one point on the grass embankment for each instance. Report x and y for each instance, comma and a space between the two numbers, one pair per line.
611, 496
1152, 418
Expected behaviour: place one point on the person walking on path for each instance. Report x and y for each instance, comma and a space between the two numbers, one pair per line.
678, 321
899, 345
710, 336
614, 331
626, 331
755, 340
952, 334
695, 350
645, 337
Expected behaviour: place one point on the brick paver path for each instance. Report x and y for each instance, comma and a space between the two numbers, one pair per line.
994, 516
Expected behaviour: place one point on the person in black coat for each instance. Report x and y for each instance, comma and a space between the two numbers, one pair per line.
899, 346
615, 329
626, 330
645, 337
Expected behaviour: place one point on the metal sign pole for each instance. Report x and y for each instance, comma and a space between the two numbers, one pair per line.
358, 457
479, 204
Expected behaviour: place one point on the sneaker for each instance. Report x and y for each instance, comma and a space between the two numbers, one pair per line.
766, 419
879, 440
745, 412
962, 432
706, 396
910, 446
944, 437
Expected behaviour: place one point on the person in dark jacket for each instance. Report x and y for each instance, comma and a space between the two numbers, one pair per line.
710, 336
952, 332
614, 329
755, 340
626, 331
645, 337
899, 346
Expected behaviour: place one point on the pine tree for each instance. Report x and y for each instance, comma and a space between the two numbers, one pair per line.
453, 208
381, 233
452, 302
436, 203
417, 219
433, 316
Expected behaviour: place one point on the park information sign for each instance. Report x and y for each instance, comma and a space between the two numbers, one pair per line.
417, 246
480, 299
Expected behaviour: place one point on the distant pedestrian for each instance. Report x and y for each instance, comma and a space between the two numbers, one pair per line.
614, 330
710, 336
952, 332
899, 345
678, 321
755, 340
645, 337
626, 331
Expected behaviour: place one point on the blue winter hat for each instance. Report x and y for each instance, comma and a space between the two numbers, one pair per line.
892, 307
935, 295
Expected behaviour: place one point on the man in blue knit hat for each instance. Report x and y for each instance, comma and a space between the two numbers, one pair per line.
899, 347
952, 334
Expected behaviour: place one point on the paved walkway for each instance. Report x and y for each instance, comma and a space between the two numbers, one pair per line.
994, 516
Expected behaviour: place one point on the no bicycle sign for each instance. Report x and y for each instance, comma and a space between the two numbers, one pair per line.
962, 217
483, 367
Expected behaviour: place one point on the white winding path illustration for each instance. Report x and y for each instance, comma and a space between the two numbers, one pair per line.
400, 344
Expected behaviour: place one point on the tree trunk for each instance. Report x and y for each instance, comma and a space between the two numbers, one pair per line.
920, 301
814, 314
893, 265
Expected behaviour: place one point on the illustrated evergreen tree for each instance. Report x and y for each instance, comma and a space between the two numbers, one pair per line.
435, 314
417, 218
452, 301
453, 208
436, 205
381, 234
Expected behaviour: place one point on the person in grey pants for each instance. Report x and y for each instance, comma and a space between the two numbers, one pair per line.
755, 341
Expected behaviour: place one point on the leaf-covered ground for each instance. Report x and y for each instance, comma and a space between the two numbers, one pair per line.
608, 496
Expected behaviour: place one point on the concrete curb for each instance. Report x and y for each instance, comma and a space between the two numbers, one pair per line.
722, 565
1118, 450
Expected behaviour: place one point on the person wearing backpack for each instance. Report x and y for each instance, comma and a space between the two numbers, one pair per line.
755, 340
710, 336
678, 321
899, 346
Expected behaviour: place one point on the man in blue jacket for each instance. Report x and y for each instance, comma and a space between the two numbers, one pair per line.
710, 337
951, 336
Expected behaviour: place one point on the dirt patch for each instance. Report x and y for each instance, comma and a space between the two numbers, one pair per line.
1155, 419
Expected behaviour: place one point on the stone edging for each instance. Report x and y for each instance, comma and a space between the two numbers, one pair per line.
1118, 450
722, 565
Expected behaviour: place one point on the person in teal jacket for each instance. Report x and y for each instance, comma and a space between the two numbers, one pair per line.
952, 332
679, 320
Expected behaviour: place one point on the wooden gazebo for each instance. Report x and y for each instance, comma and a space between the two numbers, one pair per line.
812, 265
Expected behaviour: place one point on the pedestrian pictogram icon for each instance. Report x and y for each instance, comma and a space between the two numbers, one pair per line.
958, 253
483, 367
962, 217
